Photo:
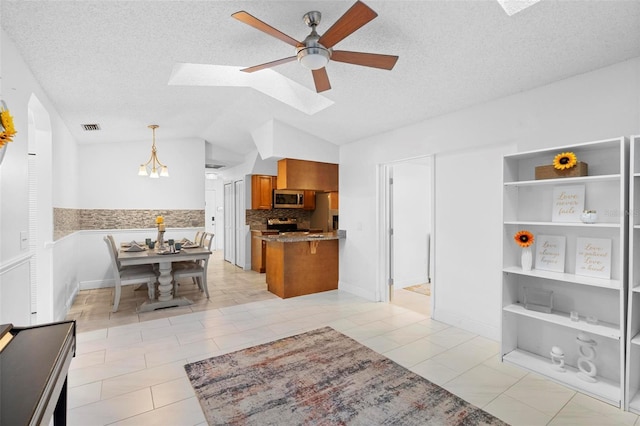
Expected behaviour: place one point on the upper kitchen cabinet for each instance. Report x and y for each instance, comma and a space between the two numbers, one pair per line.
333, 201
262, 191
307, 175
309, 200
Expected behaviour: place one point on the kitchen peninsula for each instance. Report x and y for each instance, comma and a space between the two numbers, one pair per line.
301, 264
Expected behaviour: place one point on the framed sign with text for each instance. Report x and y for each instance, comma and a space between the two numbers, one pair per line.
568, 203
550, 252
593, 257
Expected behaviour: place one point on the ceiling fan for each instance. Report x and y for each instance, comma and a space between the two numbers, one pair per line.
315, 51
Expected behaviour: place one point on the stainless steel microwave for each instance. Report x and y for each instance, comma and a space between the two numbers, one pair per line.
288, 199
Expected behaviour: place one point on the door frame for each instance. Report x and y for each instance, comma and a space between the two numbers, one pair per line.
385, 239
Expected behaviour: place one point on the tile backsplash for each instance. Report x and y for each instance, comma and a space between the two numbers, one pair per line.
257, 219
67, 221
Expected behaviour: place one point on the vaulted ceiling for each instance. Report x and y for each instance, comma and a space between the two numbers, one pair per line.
111, 62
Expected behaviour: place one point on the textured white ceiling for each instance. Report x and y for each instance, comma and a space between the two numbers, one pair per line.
109, 62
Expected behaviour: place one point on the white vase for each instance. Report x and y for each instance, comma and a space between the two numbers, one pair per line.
526, 259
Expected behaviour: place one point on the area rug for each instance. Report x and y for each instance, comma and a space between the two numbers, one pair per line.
420, 288
322, 377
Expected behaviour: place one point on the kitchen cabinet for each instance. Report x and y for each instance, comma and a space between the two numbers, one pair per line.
259, 250
585, 309
296, 267
333, 200
308, 175
262, 191
309, 200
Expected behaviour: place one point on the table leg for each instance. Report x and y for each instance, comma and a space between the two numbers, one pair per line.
165, 292
165, 289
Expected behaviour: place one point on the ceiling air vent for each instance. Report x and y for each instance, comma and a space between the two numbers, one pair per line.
213, 166
90, 127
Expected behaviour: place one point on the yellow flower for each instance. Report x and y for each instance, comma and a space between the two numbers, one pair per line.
565, 160
159, 219
524, 238
6, 120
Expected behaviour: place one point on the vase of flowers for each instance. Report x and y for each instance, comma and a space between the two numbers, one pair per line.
161, 229
7, 129
525, 239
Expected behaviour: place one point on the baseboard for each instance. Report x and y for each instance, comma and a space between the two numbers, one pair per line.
470, 324
358, 291
70, 300
90, 285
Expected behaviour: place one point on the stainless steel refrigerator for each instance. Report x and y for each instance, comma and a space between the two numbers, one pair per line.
323, 217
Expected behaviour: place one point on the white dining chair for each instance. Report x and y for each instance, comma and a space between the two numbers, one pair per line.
198, 239
194, 269
129, 275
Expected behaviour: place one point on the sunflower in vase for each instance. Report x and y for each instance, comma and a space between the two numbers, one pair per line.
525, 239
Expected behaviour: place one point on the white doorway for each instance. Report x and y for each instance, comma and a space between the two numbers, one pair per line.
407, 195
229, 224
210, 215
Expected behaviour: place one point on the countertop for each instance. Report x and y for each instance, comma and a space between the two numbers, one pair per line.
302, 236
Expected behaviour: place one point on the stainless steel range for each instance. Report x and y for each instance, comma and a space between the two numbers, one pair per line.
284, 224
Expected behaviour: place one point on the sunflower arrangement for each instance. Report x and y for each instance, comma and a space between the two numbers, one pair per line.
524, 238
9, 131
565, 160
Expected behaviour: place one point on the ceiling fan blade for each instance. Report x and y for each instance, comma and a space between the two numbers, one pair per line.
365, 59
248, 19
354, 18
321, 79
269, 64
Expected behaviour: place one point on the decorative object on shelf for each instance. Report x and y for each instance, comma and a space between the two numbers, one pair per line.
161, 229
587, 351
565, 164
550, 252
568, 203
153, 160
593, 257
592, 319
589, 216
525, 239
7, 129
539, 300
565, 160
557, 359
573, 316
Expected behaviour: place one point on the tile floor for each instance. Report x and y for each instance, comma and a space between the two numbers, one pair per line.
129, 368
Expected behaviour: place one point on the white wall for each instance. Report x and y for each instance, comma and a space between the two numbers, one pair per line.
597, 105
275, 139
110, 175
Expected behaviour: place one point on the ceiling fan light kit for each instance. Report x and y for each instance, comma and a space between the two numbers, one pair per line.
313, 55
316, 50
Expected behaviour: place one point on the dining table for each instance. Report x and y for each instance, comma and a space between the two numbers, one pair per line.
164, 259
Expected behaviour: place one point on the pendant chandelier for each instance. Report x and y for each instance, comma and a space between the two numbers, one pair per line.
153, 161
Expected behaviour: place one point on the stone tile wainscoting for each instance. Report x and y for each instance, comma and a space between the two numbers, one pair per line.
257, 219
67, 221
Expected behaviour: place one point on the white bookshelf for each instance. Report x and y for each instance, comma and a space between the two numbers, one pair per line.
528, 335
633, 307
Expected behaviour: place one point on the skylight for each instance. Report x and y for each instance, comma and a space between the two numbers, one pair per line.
511, 7
266, 81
